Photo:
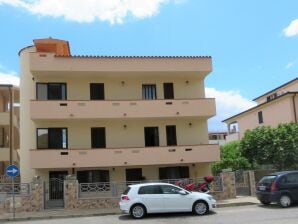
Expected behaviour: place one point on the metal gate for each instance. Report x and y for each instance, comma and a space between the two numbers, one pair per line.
54, 193
242, 183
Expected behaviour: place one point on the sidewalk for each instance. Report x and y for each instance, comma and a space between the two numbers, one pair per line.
60, 213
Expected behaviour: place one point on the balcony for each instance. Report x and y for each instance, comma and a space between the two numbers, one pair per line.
71, 109
47, 64
4, 154
4, 119
72, 158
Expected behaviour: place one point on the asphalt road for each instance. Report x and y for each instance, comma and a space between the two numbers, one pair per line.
255, 214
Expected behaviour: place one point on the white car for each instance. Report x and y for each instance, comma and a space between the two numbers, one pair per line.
141, 199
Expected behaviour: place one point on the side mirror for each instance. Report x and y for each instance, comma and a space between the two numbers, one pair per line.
182, 192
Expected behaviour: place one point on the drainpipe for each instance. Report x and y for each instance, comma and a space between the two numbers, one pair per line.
294, 107
10, 125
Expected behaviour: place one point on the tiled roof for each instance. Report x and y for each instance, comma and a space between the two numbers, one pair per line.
106, 56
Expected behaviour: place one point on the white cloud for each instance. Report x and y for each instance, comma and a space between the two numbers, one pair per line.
228, 103
290, 64
112, 11
292, 29
6, 78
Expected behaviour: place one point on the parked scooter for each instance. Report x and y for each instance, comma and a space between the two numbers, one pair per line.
200, 187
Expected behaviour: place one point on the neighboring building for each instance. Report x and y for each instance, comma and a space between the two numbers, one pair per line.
279, 105
8, 154
217, 137
113, 118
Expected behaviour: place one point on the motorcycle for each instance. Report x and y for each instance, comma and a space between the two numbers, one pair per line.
199, 187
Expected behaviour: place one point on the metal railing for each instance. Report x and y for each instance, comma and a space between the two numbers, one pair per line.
115, 189
6, 179
18, 188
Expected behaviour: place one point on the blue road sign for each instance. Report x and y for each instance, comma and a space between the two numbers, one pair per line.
12, 171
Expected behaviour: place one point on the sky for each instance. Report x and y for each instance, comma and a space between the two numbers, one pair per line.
253, 43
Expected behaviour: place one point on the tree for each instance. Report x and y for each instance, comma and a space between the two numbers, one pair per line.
231, 157
276, 146
256, 143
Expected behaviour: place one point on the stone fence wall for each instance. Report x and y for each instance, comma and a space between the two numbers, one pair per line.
34, 202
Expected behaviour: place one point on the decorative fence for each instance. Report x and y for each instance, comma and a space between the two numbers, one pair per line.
115, 189
17, 188
6, 179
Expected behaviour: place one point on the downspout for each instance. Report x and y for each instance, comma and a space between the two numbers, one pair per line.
10, 126
294, 107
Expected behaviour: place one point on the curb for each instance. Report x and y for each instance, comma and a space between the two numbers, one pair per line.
57, 216
236, 204
104, 214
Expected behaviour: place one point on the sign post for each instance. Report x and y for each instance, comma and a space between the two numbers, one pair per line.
13, 171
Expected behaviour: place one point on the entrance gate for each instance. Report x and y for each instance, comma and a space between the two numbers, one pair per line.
242, 183
54, 190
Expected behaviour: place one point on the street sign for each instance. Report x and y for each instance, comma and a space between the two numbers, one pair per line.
12, 171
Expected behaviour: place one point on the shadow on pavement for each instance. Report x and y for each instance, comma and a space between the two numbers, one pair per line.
163, 216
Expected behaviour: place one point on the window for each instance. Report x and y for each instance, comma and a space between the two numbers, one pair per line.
168, 90
2, 137
152, 189
167, 189
134, 174
93, 176
171, 135
291, 178
151, 136
52, 138
51, 91
177, 172
272, 97
97, 91
260, 116
98, 137
149, 92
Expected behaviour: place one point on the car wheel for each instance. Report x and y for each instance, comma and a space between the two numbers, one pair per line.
138, 211
200, 208
264, 202
285, 201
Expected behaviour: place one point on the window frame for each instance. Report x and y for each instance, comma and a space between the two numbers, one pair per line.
145, 90
97, 83
47, 84
66, 132
260, 117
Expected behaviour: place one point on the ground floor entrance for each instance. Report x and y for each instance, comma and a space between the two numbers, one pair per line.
54, 189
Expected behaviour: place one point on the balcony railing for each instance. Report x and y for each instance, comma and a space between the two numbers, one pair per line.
73, 109
111, 157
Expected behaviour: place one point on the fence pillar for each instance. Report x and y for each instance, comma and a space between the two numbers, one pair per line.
70, 193
228, 185
252, 183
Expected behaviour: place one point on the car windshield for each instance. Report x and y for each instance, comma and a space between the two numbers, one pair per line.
267, 179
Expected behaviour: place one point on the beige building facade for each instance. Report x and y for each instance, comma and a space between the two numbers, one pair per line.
107, 119
9, 139
277, 106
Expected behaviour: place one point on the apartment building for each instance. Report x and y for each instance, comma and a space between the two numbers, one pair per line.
113, 118
9, 138
276, 106
217, 137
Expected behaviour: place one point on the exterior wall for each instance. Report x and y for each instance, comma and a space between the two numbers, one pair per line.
291, 87
27, 127
78, 88
279, 111
79, 132
117, 174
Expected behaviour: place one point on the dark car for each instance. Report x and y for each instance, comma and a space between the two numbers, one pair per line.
280, 187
